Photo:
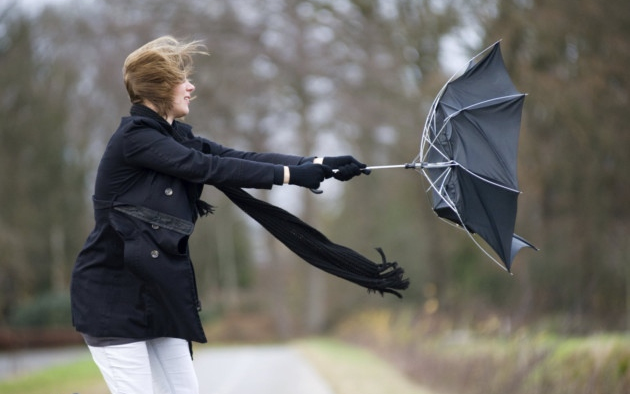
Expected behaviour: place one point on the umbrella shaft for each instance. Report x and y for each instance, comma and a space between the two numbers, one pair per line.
415, 165
390, 166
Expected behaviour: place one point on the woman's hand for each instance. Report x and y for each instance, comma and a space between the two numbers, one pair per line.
347, 166
308, 175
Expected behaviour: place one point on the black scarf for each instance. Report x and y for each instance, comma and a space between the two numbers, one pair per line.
316, 249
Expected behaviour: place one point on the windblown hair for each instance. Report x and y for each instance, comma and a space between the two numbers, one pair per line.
152, 71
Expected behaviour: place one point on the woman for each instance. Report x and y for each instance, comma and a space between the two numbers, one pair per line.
134, 296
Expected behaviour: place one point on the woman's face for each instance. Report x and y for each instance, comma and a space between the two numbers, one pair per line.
181, 99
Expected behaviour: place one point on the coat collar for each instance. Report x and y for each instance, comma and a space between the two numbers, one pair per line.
177, 130
146, 112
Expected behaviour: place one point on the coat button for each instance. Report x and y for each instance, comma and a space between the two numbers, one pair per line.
155, 227
168, 191
155, 254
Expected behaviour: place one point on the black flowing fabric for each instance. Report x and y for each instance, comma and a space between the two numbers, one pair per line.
316, 249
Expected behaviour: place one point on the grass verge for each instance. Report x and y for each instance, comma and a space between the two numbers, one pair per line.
81, 377
350, 369
484, 358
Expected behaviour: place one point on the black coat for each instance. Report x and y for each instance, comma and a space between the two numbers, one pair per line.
134, 277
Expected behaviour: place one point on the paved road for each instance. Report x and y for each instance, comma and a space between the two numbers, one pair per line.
221, 370
256, 369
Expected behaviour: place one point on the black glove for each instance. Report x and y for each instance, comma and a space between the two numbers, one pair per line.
336, 162
309, 175
347, 172
347, 167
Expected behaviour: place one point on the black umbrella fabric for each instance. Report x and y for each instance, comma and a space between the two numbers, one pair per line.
468, 153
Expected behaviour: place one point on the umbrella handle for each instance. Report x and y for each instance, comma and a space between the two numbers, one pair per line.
366, 171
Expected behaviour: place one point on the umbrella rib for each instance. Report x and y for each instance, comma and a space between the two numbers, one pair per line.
431, 118
426, 140
484, 250
432, 184
444, 155
480, 104
489, 181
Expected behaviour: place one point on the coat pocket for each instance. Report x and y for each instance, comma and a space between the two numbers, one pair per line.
151, 233
158, 256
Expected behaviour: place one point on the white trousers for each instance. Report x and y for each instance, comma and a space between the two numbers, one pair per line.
156, 366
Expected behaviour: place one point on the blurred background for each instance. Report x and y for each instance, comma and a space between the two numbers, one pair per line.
327, 77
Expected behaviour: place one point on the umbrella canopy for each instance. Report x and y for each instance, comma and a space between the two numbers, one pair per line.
468, 153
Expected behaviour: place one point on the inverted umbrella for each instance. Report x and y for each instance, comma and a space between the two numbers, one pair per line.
468, 154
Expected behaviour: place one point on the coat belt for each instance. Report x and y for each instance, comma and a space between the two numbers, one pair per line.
149, 216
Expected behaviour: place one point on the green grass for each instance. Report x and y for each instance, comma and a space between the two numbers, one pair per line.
350, 370
81, 377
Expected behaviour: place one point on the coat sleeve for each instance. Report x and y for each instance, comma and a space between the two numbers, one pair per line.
148, 148
273, 158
